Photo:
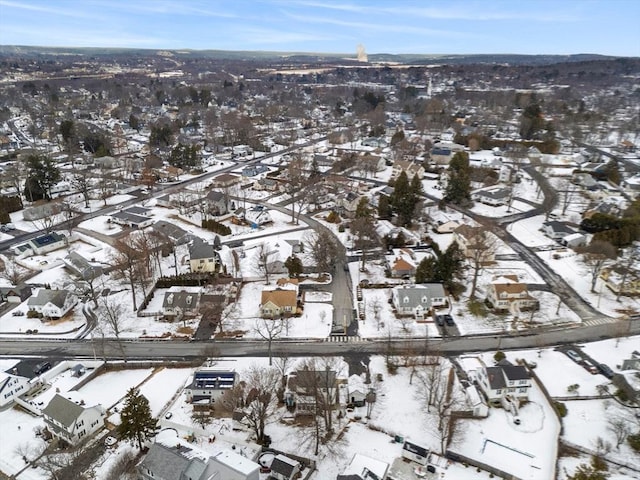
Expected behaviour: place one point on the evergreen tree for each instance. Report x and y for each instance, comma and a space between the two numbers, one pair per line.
403, 199
42, 174
136, 422
384, 208
458, 189
294, 266
363, 210
426, 270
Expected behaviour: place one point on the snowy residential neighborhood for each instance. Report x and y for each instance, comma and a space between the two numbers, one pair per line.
244, 271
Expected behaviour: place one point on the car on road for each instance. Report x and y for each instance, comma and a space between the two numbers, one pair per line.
573, 355
168, 415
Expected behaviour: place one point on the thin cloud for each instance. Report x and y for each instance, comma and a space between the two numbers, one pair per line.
377, 27
162, 8
43, 9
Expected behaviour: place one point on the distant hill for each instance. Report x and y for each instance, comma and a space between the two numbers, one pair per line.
304, 57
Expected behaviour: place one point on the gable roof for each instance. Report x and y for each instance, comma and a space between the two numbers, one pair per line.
166, 462
279, 297
413, 295
63, 410
44, 296
516, 372
200, 249
496, 378
284, 465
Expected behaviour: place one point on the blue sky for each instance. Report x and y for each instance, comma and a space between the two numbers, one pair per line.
609, 27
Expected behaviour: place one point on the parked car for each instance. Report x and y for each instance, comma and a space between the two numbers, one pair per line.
110, 441
168, 415
448, 319
17, 313
42, 367
606, 370
440, 320
573, 355
590, 367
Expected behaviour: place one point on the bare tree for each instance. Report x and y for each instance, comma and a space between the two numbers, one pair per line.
111, 321
81, 182
124, 468
12, 272
620, 428
364, 237
264, 263
295, 186
376, 307
260, 400
269, 329
126, 262
595, 256
322, 249
480, 248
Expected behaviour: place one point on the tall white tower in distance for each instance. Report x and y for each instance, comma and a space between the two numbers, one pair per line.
362, 54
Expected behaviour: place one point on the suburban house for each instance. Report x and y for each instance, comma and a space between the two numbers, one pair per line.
41, 210
347, 203
409, 167
171, 233
363, 467
495, 196
180, 302
266, 184
447, 227
257, 216
622, 281
401, 265
284, 468
209, 385
72, 421
557, 230
217, 203
12, 386
278, 302
17, 294
471, 239
311, 386
132, 217
52, 303
356, 391
202, 256
225, 180
418, 300
440, 155
254, 170
506, 293
182, 461
504, 380
41, 245
81, 267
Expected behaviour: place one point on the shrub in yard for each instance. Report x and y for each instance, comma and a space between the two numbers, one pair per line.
598, 463
561, 408
341, 228
634, 441
622, 395
499, 355
333, 217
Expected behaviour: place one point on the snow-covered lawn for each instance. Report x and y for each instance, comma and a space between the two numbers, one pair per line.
110, 387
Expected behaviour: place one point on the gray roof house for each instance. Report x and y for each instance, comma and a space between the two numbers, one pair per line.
182, 462
178, 304
218, 202
418, 300
557, 230
202, 256
52, 303
494, 196
171, 232
81, 267
71, 420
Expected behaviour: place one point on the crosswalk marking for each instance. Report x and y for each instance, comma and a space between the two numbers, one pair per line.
599, 321
343, 339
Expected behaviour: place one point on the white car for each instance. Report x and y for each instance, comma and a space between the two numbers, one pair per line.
168, 415
110, 441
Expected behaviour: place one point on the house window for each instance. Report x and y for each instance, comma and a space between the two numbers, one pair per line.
523, 390
499, 391
210, 260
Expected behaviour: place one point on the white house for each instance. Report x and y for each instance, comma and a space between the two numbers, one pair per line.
356, 391
209, 385
202, 256
52, 303
415, 452
418, 300
508, 294
504, 380
72, 421
11, 387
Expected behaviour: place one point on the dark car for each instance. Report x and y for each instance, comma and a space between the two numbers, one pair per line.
448, 319
440, 320
605, 370
41, 368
